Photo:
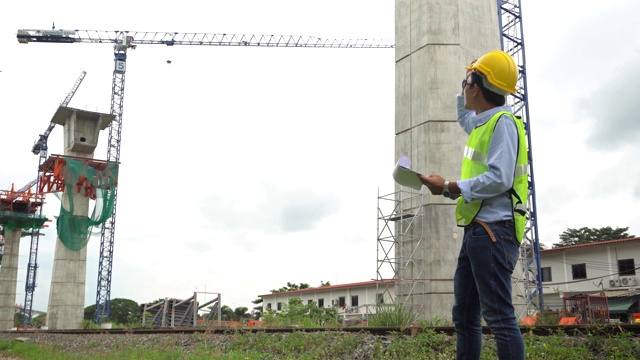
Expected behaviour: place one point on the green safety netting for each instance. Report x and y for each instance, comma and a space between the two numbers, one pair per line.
74, 230
13, 220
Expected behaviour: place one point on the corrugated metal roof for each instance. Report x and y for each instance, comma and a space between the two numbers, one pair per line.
621, 293
598, 243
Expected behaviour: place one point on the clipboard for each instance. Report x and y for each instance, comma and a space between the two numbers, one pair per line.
404, 176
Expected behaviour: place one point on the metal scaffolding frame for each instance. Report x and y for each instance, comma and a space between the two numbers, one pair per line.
401, 251
175, 312
527, 280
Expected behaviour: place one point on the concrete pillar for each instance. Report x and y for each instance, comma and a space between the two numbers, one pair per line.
67, 293
435, 39
8, 277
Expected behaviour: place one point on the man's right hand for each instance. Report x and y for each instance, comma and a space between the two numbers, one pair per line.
435, 183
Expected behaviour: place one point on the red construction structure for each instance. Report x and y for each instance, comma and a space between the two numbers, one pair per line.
20, 209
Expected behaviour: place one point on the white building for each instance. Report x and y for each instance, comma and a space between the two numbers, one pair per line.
355, 300
608, 267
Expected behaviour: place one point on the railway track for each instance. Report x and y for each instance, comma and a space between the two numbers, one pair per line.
545, 330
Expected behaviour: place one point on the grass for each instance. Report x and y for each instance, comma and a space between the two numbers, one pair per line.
426, 344
394, 315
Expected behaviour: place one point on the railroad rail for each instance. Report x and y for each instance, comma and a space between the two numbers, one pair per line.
546, 330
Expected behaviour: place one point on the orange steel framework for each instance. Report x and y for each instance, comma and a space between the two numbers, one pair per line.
21, 207
53, 174
24, 202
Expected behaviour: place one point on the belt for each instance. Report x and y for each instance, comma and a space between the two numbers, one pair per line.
486, 227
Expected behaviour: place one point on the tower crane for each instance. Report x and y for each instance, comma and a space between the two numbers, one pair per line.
40, 148
125, 40
512, 41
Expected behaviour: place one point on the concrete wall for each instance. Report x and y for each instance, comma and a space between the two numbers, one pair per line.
8, 277
435, 39
68, 278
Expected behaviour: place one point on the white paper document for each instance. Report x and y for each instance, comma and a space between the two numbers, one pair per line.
404, 176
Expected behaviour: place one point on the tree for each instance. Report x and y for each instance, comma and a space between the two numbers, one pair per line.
291, 287
589, 235
226, 313
17, 319
240, 313
39, 320
257, 310
121, 311
90, 312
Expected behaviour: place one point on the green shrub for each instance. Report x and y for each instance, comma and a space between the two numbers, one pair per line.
393, 315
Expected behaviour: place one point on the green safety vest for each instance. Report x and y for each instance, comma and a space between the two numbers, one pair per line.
474, 163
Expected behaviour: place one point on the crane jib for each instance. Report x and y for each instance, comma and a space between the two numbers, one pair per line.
130, 39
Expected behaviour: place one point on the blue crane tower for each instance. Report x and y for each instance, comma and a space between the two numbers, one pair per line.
122, 41
512, 41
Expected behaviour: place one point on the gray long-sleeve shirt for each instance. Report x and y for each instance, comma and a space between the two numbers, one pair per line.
492, 186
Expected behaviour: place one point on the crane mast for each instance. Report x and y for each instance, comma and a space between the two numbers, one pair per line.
512, 41
40, 148
107, 235
124, 40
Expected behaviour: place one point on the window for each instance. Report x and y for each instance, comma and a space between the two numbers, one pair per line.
321, 303
546, 274
269, 306
354, 300
579, 271
380, 298
309, 301
279, 306
341, 301
626, 267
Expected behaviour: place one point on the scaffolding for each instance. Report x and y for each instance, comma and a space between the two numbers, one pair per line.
182, 313
401, 251
20, 209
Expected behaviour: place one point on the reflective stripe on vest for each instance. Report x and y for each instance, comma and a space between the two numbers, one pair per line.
474, 163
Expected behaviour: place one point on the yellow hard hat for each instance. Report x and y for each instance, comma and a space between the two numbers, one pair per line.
499, 69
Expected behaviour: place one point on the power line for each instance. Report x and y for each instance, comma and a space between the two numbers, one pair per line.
583, 280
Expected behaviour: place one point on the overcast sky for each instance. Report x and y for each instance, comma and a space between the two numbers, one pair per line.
246, 168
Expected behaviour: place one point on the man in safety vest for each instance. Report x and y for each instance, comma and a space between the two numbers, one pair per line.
491, 206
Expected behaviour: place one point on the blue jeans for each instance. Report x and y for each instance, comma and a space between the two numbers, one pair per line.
482, 287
